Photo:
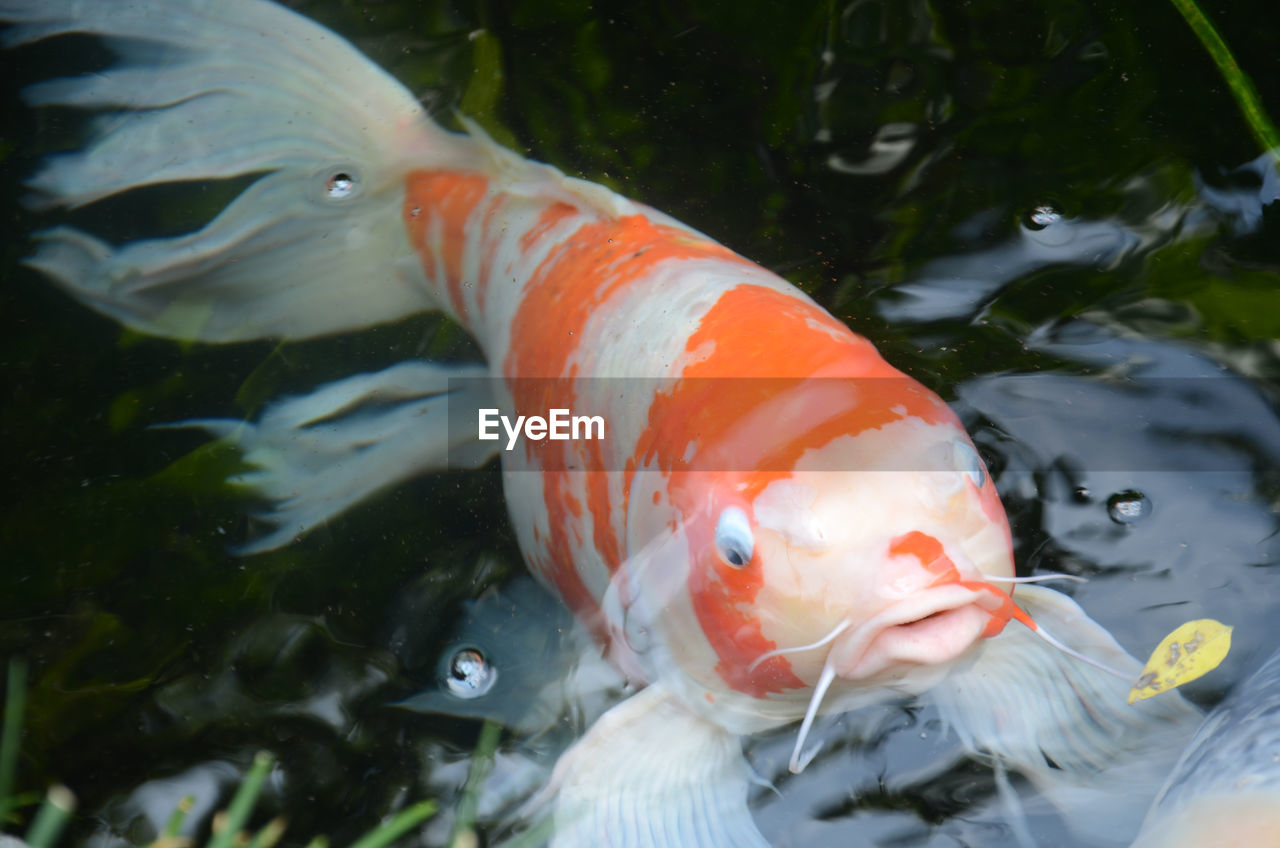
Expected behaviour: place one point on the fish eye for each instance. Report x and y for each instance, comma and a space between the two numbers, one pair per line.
969, 464
734, 540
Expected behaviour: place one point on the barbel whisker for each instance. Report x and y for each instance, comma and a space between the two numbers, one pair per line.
836, 631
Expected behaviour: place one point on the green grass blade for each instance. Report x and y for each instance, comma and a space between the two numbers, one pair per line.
242, 804
269, 835
481, 765
402, 823
1237, 80
178, 816
15, 703
52, 817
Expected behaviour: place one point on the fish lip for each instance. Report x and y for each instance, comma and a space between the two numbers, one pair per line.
948, 614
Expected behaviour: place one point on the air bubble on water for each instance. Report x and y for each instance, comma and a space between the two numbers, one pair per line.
340, 185
470, 674
1128, 507
1043, 216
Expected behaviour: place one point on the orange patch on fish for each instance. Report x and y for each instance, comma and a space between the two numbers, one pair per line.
557, 567
929, 551
489, 234
552, 215
731, 628
816, 343
593, 264
829, 376
602, 509
451, 198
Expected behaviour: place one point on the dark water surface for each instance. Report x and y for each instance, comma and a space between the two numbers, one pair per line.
1052, 214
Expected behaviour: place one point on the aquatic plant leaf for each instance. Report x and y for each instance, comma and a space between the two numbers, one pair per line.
1192, 650
1246, 96
468, 806
15, 702
228, 824
52, 817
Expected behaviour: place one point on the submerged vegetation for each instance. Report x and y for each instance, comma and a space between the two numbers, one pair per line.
58, 803
228, 827
1246, 96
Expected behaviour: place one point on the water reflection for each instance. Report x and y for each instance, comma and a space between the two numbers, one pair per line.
1145, 460
961, 286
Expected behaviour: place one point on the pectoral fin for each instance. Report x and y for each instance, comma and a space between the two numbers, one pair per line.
652, 774
316, 455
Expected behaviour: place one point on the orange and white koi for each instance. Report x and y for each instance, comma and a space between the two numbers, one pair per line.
780, 523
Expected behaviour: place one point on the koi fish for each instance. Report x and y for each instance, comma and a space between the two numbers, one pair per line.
780, 523
1225, 790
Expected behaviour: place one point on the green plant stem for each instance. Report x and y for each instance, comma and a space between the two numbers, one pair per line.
52, 817
481, 765
178, 816
242, 804
401, 823
15, 702
269, 835
1237, 80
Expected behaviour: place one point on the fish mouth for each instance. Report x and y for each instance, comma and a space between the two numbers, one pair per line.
932, 627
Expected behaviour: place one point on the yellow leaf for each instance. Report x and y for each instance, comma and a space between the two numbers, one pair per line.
1193, 650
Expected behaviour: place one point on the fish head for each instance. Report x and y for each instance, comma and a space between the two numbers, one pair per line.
880, 566
850, 538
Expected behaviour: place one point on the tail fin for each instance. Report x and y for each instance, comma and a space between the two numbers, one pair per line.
213, 89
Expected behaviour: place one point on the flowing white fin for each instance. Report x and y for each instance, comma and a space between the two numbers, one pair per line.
317, 455
652, 774
1065, 724
213, 89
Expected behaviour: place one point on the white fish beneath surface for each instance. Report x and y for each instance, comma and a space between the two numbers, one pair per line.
1225, 790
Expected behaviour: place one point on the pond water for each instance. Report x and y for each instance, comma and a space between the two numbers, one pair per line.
1054, 216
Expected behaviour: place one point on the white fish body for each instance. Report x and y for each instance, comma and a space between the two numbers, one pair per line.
1225, 789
